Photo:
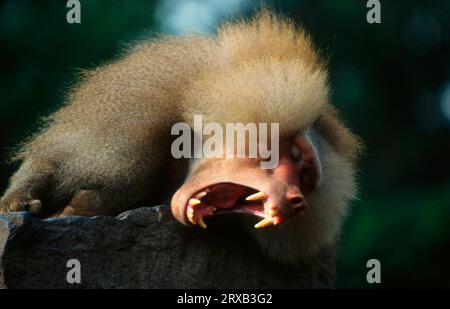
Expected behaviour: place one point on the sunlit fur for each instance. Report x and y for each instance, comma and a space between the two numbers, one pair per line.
109, 146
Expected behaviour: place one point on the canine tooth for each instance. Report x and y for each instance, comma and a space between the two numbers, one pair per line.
202, 194
201, 223
194, 201
191, 219
264, 222
256, 196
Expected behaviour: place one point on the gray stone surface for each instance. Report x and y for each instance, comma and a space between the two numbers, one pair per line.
143, 248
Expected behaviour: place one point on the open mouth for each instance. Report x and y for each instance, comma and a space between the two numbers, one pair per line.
228, 198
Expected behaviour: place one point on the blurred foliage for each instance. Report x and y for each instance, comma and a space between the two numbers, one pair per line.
390, 81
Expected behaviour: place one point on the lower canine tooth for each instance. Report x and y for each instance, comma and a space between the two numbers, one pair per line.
264, 222
201, 223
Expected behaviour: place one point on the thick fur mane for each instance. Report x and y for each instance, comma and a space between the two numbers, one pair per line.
267, 37
264, 70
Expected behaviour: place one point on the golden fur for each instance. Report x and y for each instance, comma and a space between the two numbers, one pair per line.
108, 148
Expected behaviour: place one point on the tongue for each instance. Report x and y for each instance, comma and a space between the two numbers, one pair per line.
226, 195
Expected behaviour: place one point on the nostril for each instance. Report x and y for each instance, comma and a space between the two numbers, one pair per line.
297, 202
295, 198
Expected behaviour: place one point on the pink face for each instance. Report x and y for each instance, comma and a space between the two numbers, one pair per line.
218, 186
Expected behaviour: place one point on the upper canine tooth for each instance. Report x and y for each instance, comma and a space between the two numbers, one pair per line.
264, 222
256, 196
202, 194
194, 201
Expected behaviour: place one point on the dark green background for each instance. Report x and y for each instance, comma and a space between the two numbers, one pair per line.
389, 80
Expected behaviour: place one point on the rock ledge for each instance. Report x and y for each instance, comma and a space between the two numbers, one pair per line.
142, 248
